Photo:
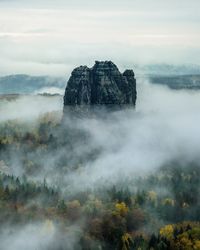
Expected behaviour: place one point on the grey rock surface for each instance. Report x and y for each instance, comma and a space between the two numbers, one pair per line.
100, 86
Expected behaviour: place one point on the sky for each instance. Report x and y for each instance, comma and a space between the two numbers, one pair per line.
48, 37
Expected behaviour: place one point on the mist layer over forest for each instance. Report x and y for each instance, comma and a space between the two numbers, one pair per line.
122, 180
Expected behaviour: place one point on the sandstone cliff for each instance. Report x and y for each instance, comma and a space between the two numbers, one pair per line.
100, 86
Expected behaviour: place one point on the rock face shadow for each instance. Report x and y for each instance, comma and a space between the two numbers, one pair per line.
102, 87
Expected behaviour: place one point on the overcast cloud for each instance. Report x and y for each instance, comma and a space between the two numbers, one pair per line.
52, 37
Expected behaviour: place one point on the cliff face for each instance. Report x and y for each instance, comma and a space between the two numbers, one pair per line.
101, 85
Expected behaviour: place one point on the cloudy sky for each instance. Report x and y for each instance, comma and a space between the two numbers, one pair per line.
53, 36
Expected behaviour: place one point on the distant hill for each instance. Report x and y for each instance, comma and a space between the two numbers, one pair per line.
176, 77
167, 69
25, 84
178, 82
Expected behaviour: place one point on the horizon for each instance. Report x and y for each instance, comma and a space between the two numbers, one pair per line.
141, 70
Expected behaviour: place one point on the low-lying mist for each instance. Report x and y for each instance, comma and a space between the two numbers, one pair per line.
38, 236
110, 151
27, 108
163, 128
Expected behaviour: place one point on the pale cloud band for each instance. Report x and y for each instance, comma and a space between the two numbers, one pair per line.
48, 37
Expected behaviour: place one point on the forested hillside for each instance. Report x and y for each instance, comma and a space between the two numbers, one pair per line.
159, 210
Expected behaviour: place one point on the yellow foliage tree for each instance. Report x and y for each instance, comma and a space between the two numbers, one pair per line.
183, 242
168, 202
167, 231
152, 196
121, 208
126, 241
197, 245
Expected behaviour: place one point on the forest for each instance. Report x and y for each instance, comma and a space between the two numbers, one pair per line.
157, 210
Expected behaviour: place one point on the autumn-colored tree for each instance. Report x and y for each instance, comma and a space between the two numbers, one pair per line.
121, 209
113, 228
167, 231
135, 219
73, 210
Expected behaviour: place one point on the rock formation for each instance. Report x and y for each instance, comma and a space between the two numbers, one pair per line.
100, 86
